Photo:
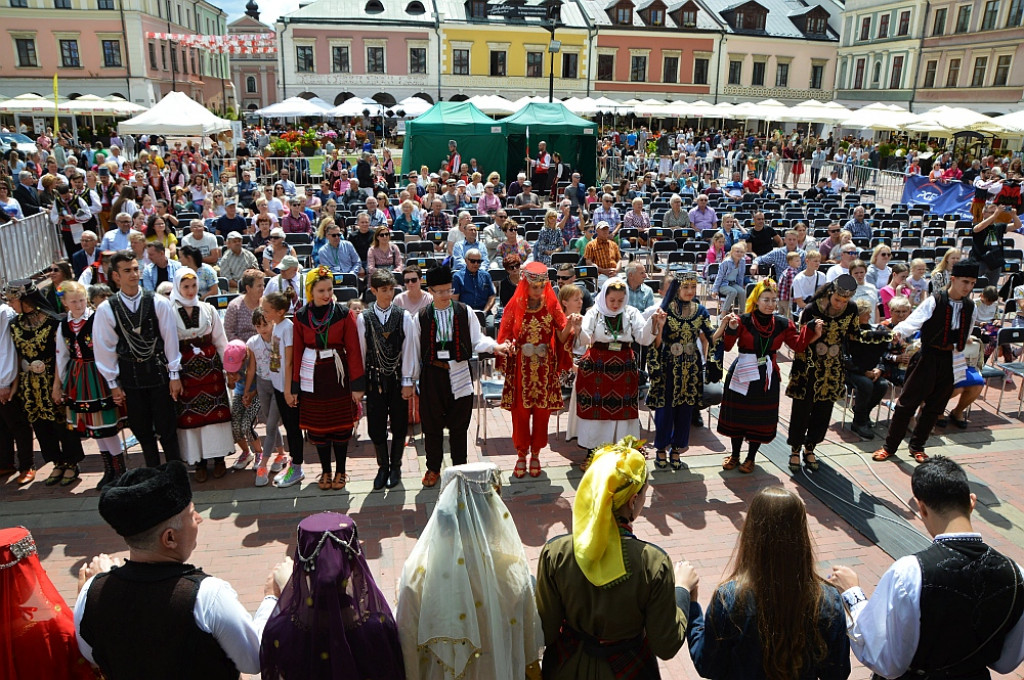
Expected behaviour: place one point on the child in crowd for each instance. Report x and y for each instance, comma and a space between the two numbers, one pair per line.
917, 281
571, 299
260, 389
275, 308
580, 244
243, 413
943, 270
356, 306
731, 279
786, 283
807, 281
98, 294
897, 286
716, 251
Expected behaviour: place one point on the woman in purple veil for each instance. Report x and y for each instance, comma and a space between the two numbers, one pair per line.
332, 622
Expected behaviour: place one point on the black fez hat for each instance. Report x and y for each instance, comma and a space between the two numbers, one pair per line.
63, 188
966, 269
845, 283
438, 276
142, 498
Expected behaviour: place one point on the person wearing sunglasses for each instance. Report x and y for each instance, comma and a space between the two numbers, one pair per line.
413, 298
383, 254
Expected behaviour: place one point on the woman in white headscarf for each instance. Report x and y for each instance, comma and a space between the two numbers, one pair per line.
204, 412
608, 380
466, 602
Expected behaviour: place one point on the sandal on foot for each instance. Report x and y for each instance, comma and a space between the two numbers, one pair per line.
794, 467
747, 466
519, 471
55, 476
340, 480
730, 463
660, 459
674, 459
430, 479
587, 461
812, 465
919, 456
882, 454
71, 473
324, 483
535, 465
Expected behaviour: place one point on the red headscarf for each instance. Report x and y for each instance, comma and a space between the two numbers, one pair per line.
37, 627
515, 312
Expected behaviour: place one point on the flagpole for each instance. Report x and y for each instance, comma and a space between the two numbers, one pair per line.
56, 105
529, 164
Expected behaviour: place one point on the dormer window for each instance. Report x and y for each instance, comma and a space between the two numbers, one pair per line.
689, 16
750, 17
478, 9
624, 16
374, 7
656, 17
817, 25
415, 7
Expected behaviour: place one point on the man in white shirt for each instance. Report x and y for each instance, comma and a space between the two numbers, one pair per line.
835, 183
199, 238
847, 254
951, 610
117, 239
157, 610
289, 186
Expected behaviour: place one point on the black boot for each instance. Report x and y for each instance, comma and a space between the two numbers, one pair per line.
395, 475
119, 464
383, 468
108, 471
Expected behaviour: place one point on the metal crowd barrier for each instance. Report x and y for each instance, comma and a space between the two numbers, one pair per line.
27, 247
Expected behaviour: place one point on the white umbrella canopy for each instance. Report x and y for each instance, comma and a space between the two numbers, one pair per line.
27, 103
323, 104
879, 117
606, 105
125, 107
354, 107
959, 119
413, 106
745, 111
581, 106
293, 107
493, 105
175, 114
721, 109
652, 110
1010, 121
924, 126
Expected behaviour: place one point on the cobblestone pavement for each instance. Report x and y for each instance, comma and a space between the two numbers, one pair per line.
693, 514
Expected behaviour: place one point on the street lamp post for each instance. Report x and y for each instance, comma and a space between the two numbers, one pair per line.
553, 14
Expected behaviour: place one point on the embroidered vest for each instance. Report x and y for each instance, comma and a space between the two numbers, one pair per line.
142, 363
460, 346
383, 347
937, 332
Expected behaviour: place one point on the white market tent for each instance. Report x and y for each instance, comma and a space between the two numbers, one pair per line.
413, 106
293, 107
958, 118
356, 107
175, 114
1010, 121
493, 104
28, 103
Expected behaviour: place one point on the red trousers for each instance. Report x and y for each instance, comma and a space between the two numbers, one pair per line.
522, 437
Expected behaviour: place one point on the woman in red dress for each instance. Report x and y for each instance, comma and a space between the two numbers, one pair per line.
327, 369
541, 337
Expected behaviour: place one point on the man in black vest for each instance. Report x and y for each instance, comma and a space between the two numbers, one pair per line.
446, 333
945, 320
385, 336
158, 616
136, 345
951, 611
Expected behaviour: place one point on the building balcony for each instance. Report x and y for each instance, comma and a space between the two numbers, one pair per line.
875, 94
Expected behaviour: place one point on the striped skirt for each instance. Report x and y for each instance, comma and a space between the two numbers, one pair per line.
91, 411
608, 385
327, 414
754, 416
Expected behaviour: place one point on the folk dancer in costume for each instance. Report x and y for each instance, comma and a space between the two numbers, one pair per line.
454, 160
446, 333
385, 338
157, 616
540, 336
327, 375
314, 633
676, 367
204, 411
37, 628
953, 610
135, 342
91, 411
34, 332
750, 405
70, 213
15, 430
608, 379
945, 320
540, 168
477, 620
818, 378
608, 601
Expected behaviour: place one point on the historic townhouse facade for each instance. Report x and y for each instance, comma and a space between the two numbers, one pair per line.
255, 74
100, 47
880, 51
972, 55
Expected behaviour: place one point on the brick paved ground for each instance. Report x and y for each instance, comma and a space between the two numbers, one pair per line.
693, 514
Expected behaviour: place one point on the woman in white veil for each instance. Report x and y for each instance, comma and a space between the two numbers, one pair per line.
479, 620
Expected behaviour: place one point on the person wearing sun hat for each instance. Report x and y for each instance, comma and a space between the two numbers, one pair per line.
158, 616
445, 335
945, 320
609, 601
288, 279
818, 378
540, 337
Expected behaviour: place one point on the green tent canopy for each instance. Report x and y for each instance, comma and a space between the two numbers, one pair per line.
478, 136
573, 137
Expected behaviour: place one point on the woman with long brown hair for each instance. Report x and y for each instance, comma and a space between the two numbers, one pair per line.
774, 617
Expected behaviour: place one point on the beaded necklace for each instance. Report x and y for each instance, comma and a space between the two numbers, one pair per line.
323, 326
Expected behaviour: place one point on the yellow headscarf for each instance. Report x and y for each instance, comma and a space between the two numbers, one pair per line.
616, 474
761, 287
313, 276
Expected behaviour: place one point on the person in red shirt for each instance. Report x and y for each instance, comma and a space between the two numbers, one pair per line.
752, 185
